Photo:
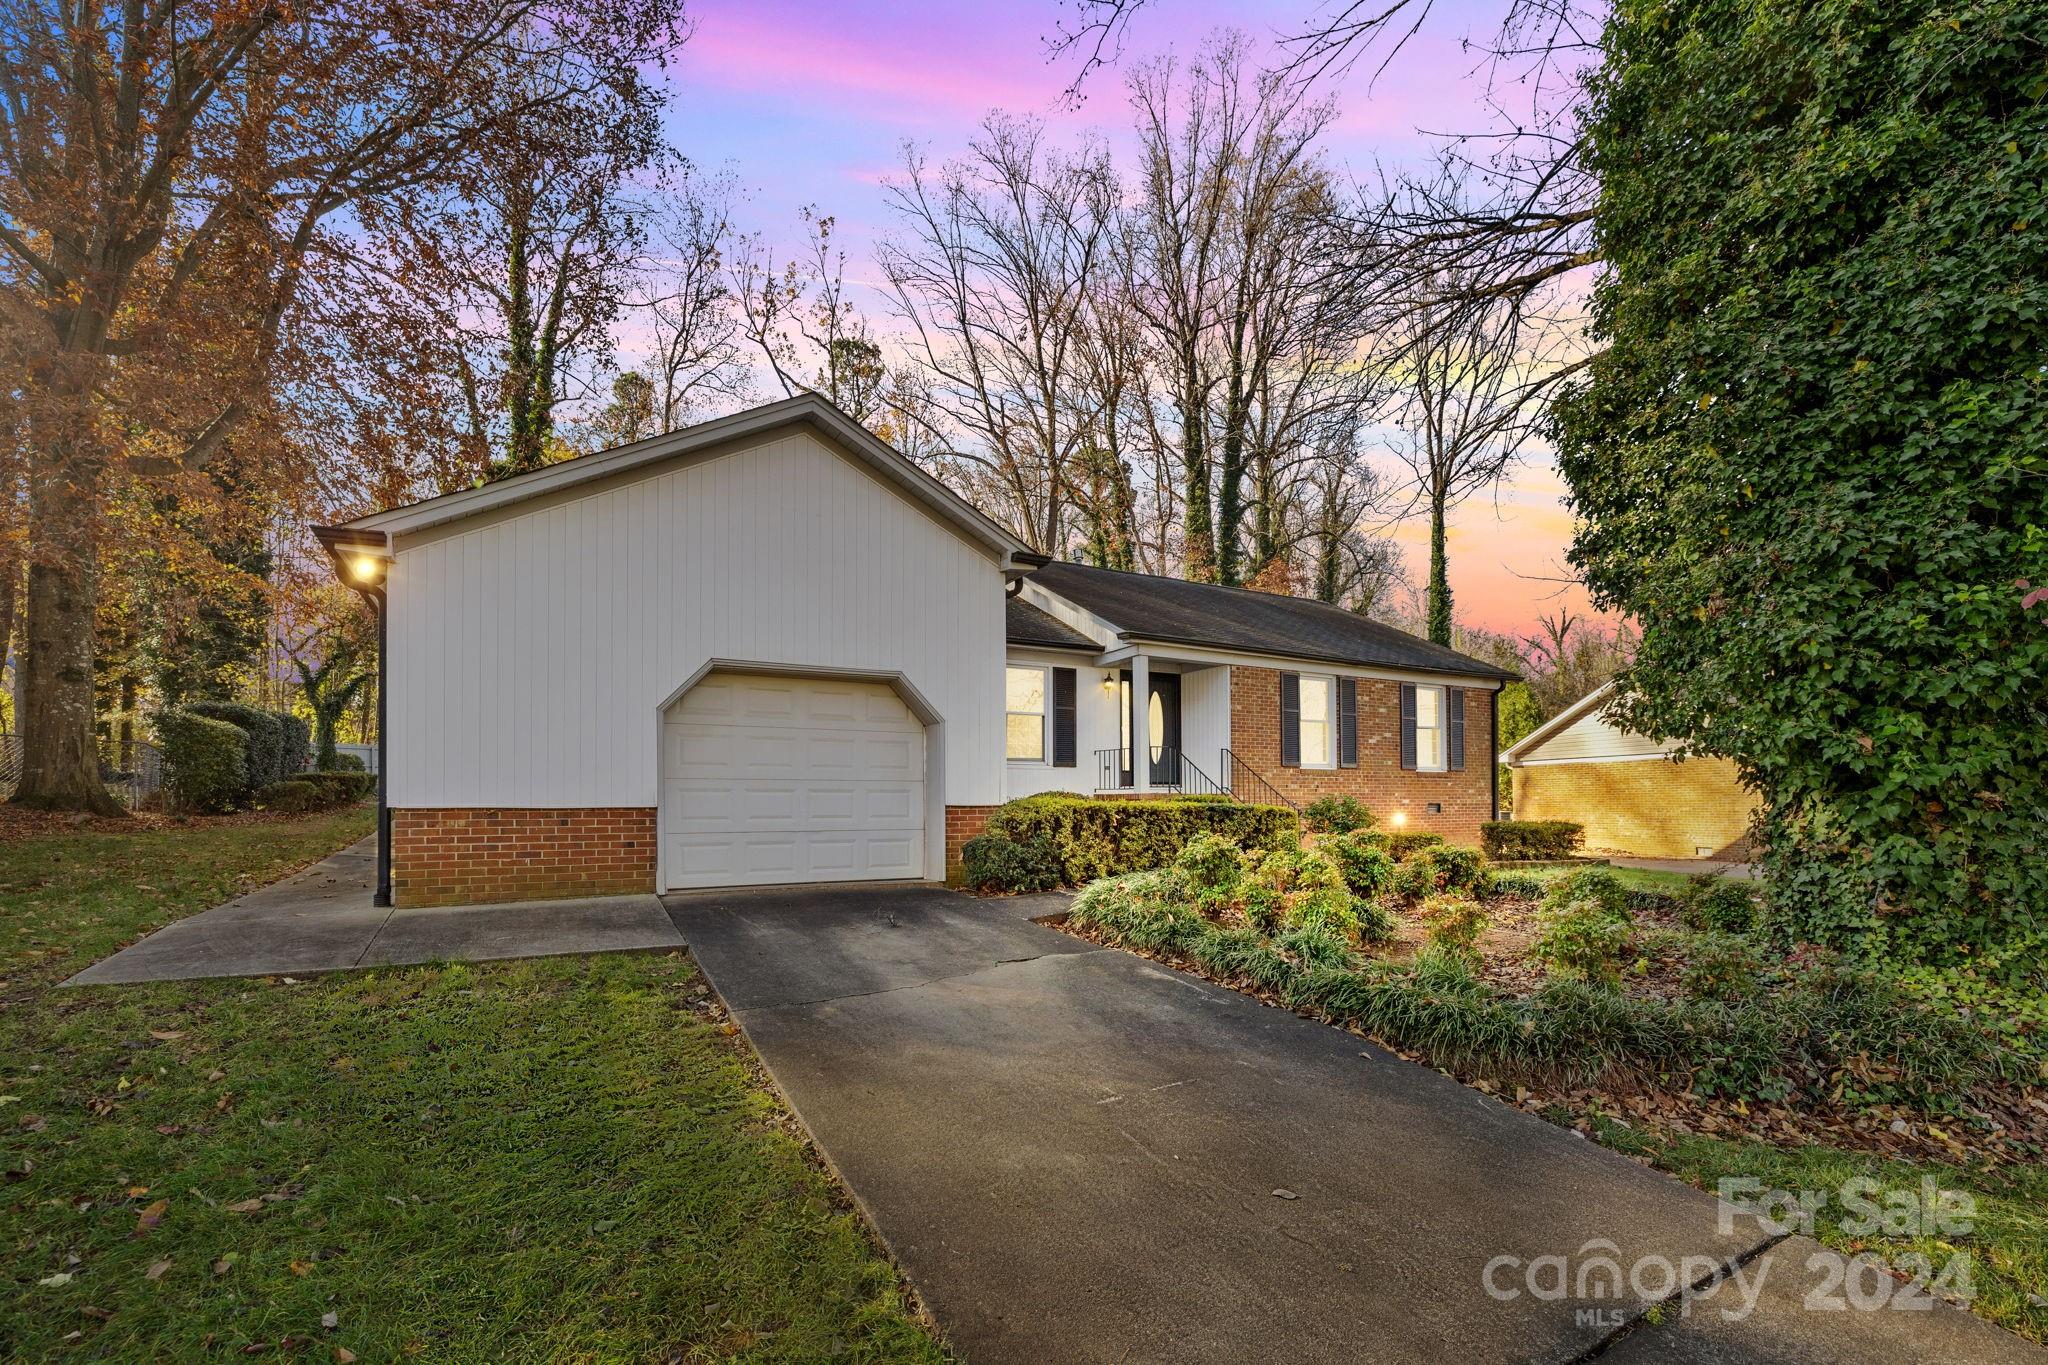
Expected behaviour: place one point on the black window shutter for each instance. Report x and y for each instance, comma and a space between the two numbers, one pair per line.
1063, 718
1290, 720
1347, 722
1408, 726
1456, 740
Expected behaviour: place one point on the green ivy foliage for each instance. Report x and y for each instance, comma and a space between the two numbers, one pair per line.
1812, 459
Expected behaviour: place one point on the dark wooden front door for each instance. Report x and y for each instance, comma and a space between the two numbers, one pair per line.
1163, 705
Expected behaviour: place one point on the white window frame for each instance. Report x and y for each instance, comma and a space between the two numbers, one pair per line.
1442, 729
1044, 671
1329, 720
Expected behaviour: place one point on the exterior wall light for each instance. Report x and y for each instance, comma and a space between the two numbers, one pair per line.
366, 568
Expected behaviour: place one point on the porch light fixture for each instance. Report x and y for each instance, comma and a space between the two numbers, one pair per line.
1109, 679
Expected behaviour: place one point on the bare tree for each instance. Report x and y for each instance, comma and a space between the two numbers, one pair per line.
995, 272
1461, 419
799, 316
696, 360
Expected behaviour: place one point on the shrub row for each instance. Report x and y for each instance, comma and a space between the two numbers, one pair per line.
1532, 839
1037, 842
221, 754
1829, 1032
313, 791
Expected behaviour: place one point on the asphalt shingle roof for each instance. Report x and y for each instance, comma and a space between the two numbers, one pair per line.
1029, 625
1174, 611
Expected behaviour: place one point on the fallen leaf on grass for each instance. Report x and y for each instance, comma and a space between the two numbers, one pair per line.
56, 1281
300, 1267
137, 1191
223, 1265
166, 1035
344, 1356
330, 1320
101, 1313
156, 1270
245, 1206
150, 1217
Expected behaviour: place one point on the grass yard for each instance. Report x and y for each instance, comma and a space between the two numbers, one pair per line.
559, 1160
2006, 1250
1634, 878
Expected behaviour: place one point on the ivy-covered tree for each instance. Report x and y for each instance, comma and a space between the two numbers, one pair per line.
1812, 461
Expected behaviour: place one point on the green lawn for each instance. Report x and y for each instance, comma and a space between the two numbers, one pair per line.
1634, 878
2006, 1248
560, 1160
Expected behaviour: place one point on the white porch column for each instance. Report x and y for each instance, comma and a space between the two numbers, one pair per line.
1141, 723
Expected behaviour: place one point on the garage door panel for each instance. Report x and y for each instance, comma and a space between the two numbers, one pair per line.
791, 780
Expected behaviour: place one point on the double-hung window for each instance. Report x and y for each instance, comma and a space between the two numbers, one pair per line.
1318, 698
1025, 694
1430, 748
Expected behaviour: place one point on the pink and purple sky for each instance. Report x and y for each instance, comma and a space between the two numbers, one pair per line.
812, 103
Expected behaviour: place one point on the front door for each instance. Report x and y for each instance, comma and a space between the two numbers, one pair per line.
1157, 724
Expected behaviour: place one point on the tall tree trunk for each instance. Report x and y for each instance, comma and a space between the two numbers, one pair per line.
1197, 528
60, 767
1230, 486
10, 589
1439, 574
525, 422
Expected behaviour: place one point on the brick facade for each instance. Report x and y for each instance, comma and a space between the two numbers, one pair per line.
1649, 809
1465, 796
453, 857
962, 824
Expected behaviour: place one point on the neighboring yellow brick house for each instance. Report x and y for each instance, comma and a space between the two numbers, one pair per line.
1631, 794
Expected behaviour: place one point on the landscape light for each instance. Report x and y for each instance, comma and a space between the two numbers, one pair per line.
1398, 818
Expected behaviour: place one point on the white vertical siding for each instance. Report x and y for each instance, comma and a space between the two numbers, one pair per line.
530, 654
1095, 727
1205, 718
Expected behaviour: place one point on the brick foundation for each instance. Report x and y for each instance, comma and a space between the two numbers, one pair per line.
473, 856
1379, 780
1649, 809
962, 824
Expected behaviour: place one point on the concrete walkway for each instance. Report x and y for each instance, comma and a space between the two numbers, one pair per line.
321, 920
1077, 1155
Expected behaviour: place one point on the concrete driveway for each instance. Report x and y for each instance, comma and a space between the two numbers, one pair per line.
321, 920
1077, 1155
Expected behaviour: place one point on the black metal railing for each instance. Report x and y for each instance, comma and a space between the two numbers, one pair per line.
1172, 771
1243, 781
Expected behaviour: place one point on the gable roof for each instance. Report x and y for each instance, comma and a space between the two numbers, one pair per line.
1175, 611
1558, 723
806, 409
1583, 733
1025, 624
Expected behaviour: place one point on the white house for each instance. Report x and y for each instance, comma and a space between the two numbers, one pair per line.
770, 649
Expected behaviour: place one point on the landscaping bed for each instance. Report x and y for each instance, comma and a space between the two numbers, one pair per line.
570, 1158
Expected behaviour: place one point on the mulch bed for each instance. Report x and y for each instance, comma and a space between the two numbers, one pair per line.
2010, 1124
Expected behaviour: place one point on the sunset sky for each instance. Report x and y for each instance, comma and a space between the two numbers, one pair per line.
813, 103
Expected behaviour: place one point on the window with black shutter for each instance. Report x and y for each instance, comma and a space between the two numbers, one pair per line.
1408, 726
1063, 721
1290, 720
1347, 722
1456, 716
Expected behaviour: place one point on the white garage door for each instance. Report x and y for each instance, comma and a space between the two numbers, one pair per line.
768, 780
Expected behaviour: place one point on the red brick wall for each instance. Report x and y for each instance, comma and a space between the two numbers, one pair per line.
1378, 780
468, 856
962, 824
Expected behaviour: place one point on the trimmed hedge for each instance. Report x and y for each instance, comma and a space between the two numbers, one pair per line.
337, 787
1094, 838
206, 761
1400, 845
1532, 839
265, 732
298, 744
990, 862
347, 763
292, 797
